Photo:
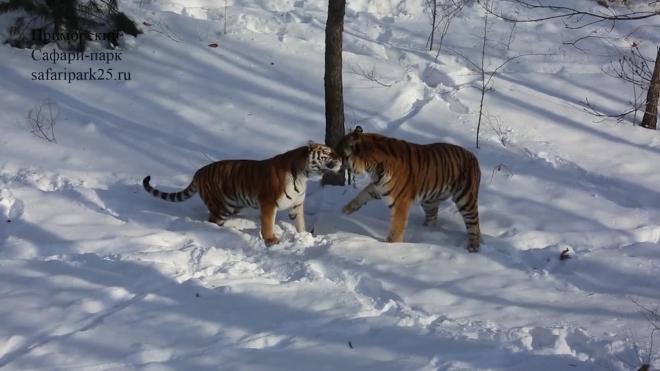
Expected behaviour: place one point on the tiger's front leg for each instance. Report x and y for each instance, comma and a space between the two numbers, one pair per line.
367, 194
400, 211
268, 212
297, 214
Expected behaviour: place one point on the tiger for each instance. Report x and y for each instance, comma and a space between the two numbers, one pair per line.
404, 173
277, 183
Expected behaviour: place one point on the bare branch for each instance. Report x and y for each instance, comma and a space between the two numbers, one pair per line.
500, 131
590, 109
608, 41
41, 120
500, 168
511, 59
367, 74
651, 314
457, 53
569, 13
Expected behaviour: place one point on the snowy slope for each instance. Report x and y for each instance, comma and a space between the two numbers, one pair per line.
96, 274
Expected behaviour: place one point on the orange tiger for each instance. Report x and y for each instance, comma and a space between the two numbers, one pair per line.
403, 173
276, 183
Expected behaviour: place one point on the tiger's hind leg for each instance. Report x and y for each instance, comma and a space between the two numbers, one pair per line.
467, 206
218, 213
430, 212
216, 219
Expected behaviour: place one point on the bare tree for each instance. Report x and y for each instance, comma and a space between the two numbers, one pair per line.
442, 14
483, 76
650, 118
634, 69
334, 98
433, 4
486, 76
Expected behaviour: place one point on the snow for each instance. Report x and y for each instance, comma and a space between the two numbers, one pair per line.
96, 274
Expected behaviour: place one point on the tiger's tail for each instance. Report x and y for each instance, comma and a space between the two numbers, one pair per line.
175, 196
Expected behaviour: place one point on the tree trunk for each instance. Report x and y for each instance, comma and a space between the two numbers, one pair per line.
334, 99
650, 119
434, 13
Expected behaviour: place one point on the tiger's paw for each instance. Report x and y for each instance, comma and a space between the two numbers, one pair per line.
473, 247
430, 222
391, 238
271, 241
350, 208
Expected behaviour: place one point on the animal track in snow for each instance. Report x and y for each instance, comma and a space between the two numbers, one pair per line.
558, 340
11, 208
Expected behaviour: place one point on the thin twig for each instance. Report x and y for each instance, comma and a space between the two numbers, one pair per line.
483, 77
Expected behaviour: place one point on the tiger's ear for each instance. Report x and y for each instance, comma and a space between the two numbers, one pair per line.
357, 131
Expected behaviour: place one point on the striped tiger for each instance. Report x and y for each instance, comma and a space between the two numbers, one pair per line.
273, 184
403, 173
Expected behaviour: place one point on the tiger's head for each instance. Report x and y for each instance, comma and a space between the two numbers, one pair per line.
321, 159
356, 149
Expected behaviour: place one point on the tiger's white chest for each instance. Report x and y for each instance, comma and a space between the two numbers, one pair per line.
294, 193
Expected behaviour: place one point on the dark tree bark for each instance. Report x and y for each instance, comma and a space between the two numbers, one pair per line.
650, 119
334, 98
65, 16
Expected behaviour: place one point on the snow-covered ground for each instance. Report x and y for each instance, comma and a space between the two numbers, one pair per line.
97, 274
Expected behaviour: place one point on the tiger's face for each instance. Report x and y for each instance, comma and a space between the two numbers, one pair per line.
321, 159
353, 150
